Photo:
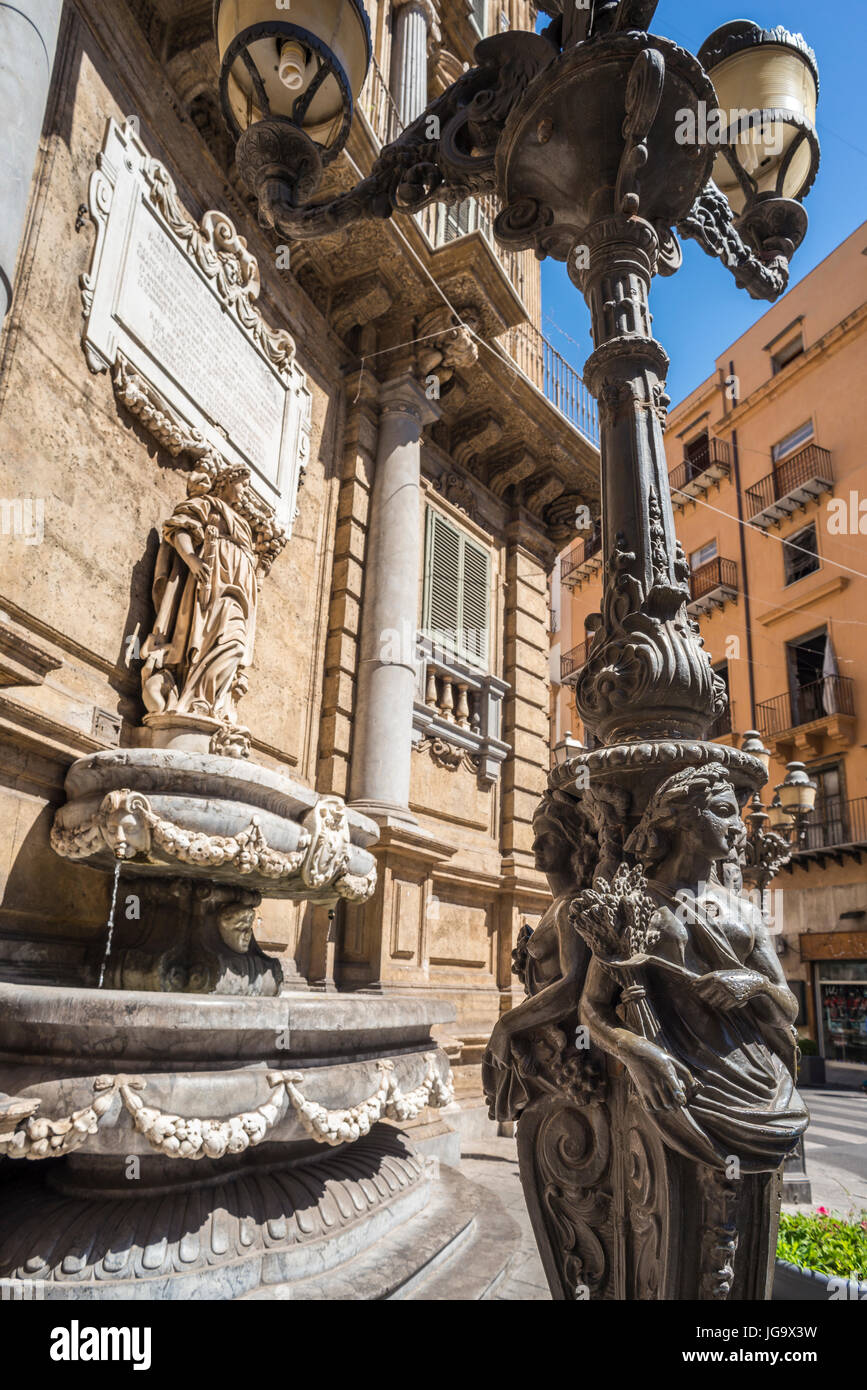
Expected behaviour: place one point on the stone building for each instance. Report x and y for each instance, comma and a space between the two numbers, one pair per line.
768, 482
438, 448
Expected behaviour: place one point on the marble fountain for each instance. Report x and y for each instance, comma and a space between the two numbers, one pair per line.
188, 1127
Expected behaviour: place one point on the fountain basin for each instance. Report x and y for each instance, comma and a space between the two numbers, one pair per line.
169, 811
207, 1147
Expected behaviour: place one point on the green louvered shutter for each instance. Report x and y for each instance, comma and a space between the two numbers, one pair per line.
475, 592
456, 609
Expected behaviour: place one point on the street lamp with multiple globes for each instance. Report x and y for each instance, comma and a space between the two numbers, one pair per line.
650, 1157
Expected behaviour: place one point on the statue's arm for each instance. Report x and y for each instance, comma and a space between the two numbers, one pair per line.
558, 998
774, 991
185, 530
662, 1082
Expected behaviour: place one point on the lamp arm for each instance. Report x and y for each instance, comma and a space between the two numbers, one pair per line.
445, 155
711, 223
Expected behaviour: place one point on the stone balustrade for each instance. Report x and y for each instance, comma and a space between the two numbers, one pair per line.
459, 706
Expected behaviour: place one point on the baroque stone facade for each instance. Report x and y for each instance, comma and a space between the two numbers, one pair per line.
413, 355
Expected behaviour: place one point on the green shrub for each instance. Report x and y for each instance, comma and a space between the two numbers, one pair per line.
825, 1242
808, 1047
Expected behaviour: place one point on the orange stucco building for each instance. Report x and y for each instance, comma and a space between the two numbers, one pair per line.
768, 467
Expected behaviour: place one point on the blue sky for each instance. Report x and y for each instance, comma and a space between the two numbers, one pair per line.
699, 311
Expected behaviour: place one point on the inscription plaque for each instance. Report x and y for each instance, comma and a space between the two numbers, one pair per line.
173, 301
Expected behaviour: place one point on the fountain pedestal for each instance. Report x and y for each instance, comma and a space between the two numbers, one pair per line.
190, 1131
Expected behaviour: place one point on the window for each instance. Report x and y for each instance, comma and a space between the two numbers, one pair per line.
697, 454
792, 442
800, 555
701, 557
787, 353
806, 660
460, 219
828, 825
457, 591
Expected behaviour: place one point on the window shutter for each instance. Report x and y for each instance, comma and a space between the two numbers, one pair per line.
475, 600
442, 607
457, 602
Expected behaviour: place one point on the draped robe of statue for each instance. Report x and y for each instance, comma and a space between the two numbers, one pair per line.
743, 1060
204, 632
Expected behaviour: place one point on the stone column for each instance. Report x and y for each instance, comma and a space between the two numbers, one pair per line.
27, 45
415, 27
385, 690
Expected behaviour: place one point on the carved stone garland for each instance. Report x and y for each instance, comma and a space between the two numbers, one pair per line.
37, 1138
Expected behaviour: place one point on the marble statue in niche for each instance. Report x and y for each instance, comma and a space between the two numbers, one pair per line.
205, 593
217, 546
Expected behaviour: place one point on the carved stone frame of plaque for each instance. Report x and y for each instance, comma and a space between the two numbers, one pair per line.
164, 301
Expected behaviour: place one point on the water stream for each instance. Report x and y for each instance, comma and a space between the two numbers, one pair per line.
110, 924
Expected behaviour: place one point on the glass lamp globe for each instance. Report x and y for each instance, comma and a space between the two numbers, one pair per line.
304, 63
779, 820
752, 744
796, 792
767, 86
567, 748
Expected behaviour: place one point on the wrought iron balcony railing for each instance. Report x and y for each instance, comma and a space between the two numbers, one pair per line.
794, 483
708, 464
832, 695
836, 822
378, 107
556, 379
712, 585
583, 560
572, 662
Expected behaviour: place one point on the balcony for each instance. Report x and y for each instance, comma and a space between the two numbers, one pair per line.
724, 726
836, 830
583, 561
440, 225
805, 718
794, 483
572, 662
458, 713
556, 379
712, 586
527, 347
707, 466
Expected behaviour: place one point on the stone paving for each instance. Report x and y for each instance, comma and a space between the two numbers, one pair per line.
836, 1150
494, 1164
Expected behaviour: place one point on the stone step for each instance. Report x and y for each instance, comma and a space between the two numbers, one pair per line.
456, 1249
478, 1268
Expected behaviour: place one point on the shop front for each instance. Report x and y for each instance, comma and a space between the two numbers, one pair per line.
839, 973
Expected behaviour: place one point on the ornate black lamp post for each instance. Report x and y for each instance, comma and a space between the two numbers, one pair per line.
651, 1148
